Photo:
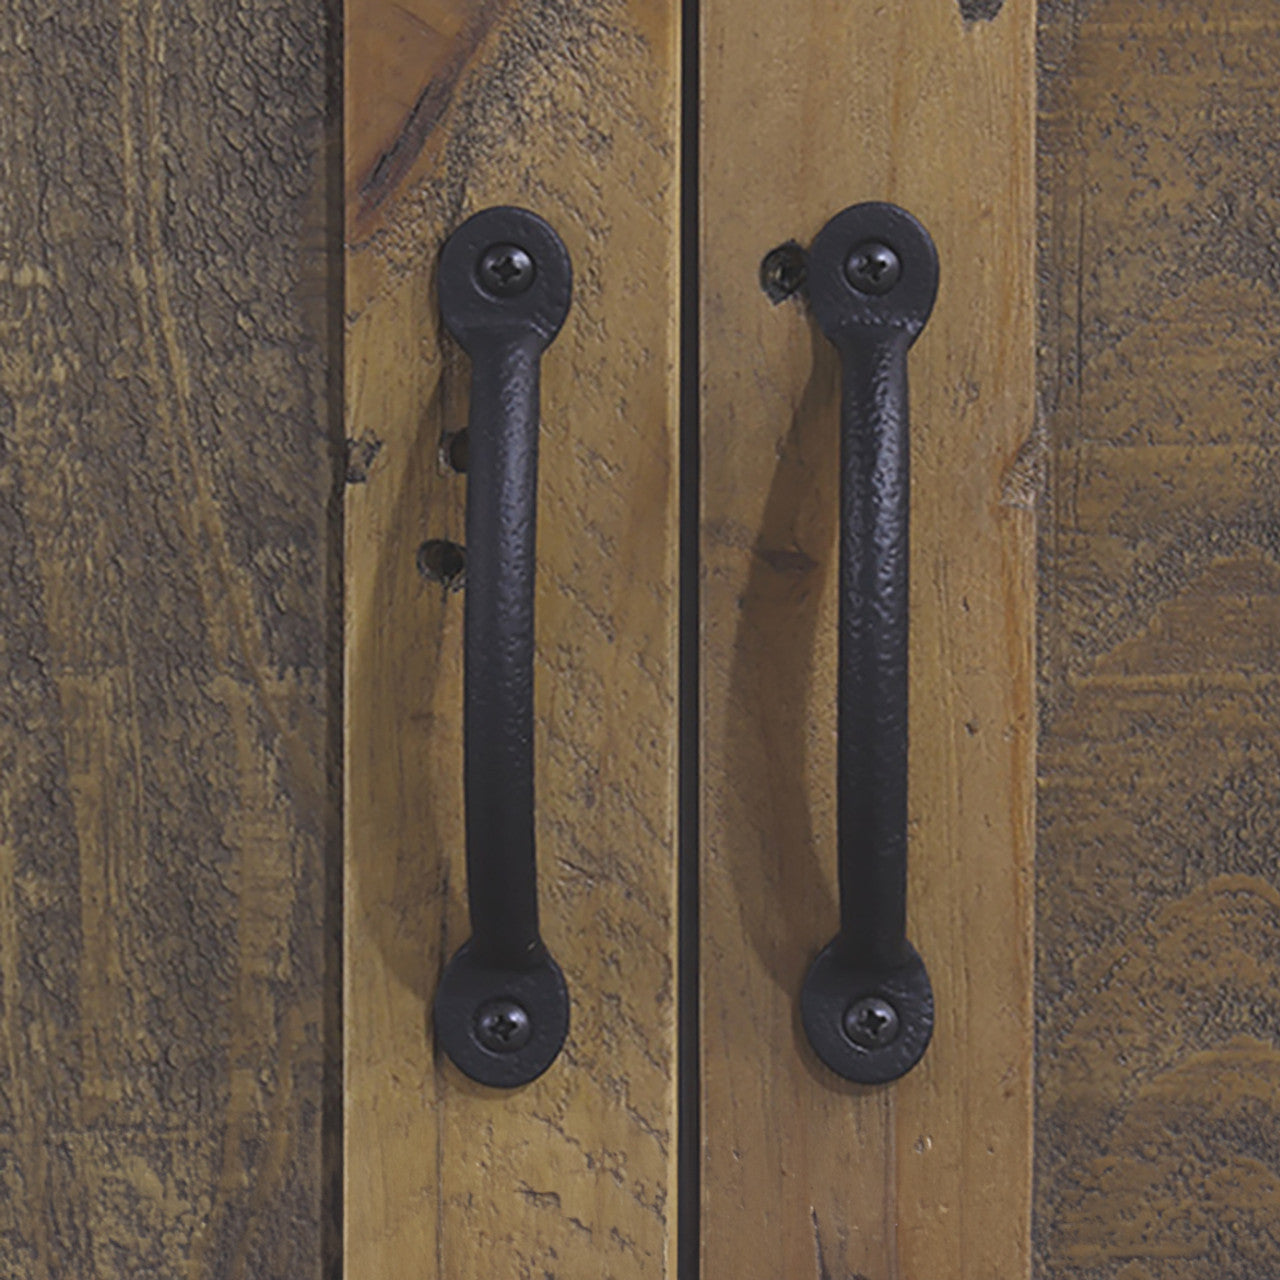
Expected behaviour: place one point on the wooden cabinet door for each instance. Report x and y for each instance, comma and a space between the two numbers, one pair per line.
808, 108
232, 575
571, 111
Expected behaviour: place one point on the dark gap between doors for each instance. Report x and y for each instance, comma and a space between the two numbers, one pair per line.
688, 1056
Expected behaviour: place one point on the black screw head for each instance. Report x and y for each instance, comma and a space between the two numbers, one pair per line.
872, 267
871, 1022
503, 1026
505, 270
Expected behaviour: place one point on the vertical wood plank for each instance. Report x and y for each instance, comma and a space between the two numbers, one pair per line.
1157, 1147
810, 107
168, 641
571, 110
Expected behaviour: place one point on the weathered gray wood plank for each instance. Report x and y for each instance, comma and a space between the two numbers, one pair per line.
169, 675
1158, 1142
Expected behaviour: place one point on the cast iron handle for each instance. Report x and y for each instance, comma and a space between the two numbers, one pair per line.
502, 1008
867, 1005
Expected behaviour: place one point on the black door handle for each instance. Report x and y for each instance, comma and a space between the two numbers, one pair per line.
867, 1005
502, 1007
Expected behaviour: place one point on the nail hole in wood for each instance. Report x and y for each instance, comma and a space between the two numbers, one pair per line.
453, 451
440, 560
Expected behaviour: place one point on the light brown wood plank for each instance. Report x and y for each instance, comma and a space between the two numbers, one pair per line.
169, 640
810, 107
1157, 1156
570, 111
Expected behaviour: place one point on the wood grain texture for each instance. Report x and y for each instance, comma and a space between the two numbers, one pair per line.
1158, 1130
811, 107
571, 109
168, 650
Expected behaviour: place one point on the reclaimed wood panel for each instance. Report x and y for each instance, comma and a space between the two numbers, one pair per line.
1158, 1082
571, 110
810, 107
169, 655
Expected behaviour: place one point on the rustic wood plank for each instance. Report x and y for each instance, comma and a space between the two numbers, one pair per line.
809, 107
570, 110
1157, 1150
168, 641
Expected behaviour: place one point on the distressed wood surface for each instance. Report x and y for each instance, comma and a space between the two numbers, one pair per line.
569, 109
1158, 1130
811, 107
168, 649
